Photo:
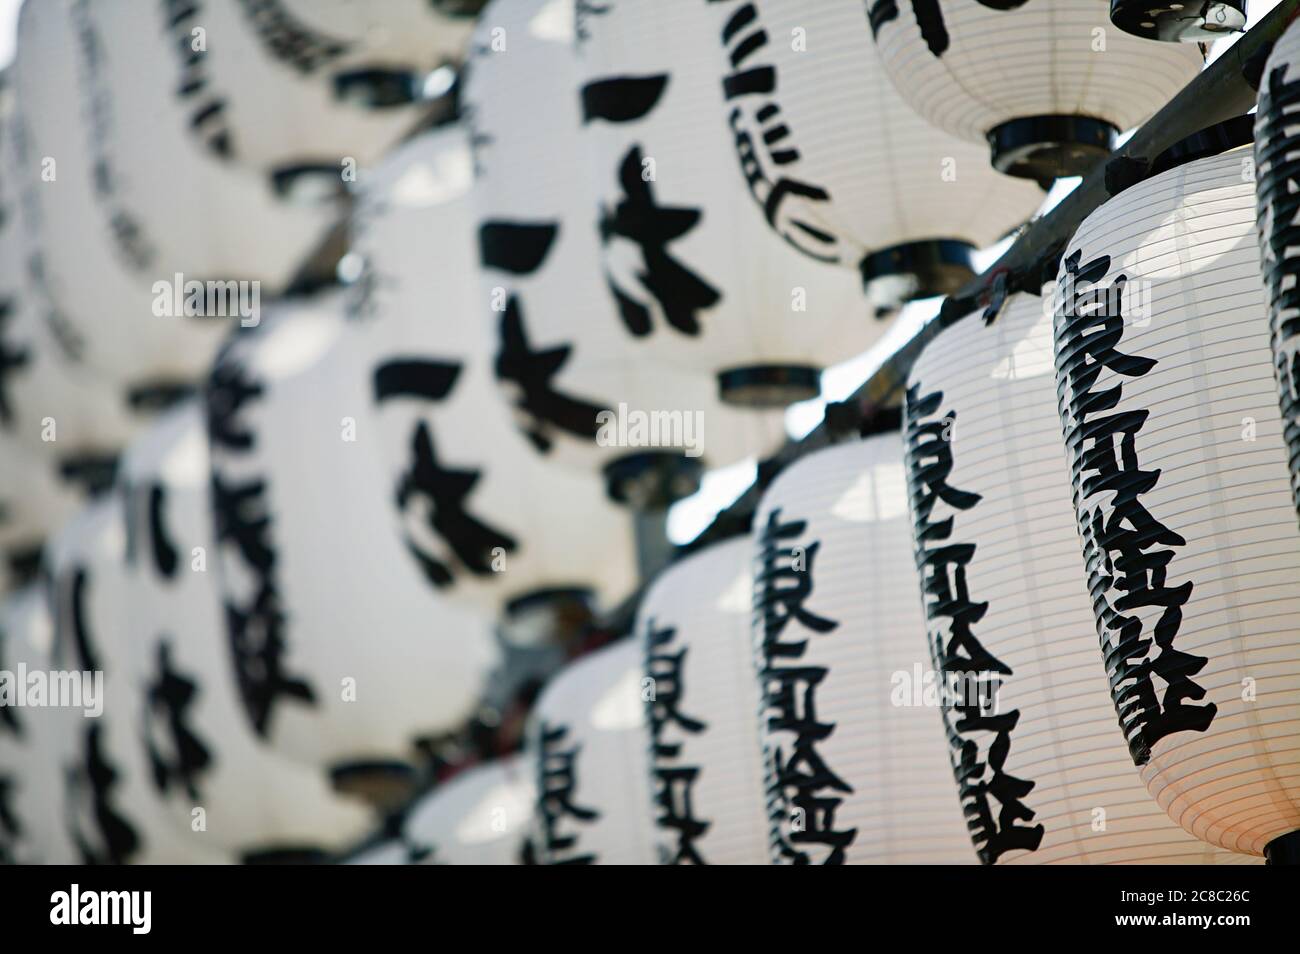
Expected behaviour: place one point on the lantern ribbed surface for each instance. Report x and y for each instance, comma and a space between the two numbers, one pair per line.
706, 757
1277, 147
588, 749
483, 516
840, 165
968, 67
186, 703
564, 355
1007, 605
342, 653
1181, 490
123, 210
698, 279
855, 762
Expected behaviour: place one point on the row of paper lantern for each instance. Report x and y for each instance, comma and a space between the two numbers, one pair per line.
274, 491
1100, 468
677, 268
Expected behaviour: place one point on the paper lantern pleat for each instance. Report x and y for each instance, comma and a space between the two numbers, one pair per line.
1182, 497
706, 757
838, 164
1277, 145
188, 707
1050, 75
112, 813
126, 217
343, 656
1008, 608
484, 516
588, 747
855, 761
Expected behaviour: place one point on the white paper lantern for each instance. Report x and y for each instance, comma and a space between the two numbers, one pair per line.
149, 249
343, 656
486, 518
111, 811
1181, 490
1277, 135
855, 762
579, 380
1048, 84
588, 747
35, 500
1010, 624
319, 82
835, 162
32, 747
479, 817
46, 401
187, 704
706, 757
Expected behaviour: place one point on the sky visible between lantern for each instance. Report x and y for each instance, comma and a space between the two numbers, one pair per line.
723, 485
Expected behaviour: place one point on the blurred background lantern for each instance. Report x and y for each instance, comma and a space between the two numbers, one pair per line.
487, 521
1048, 84
186, 704
1181, 491
32, 747
35, 500
1197, 21
588, 748
111, 812
706, 758
303, 84
1042, 775
479, 817
855, 759
573, 356
682, 283
1278, 207
841, 168
46, 401
343, 656
149, 249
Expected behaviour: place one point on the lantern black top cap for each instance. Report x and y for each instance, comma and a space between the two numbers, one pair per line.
1210, 141
1044, 148
1188, 21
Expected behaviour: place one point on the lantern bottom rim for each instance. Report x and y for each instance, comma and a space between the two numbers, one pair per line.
651, 480
284, 856
768, 385
901, 273
1190, 23
549, 597
1046, 148
379, 782
1283, 850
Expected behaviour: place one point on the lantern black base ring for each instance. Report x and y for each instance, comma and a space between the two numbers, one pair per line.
285, 856
377, 88
651, 480
769, 385
549, 598
1044, 148
386, 784
1284, 850
1194, 21
932, 267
